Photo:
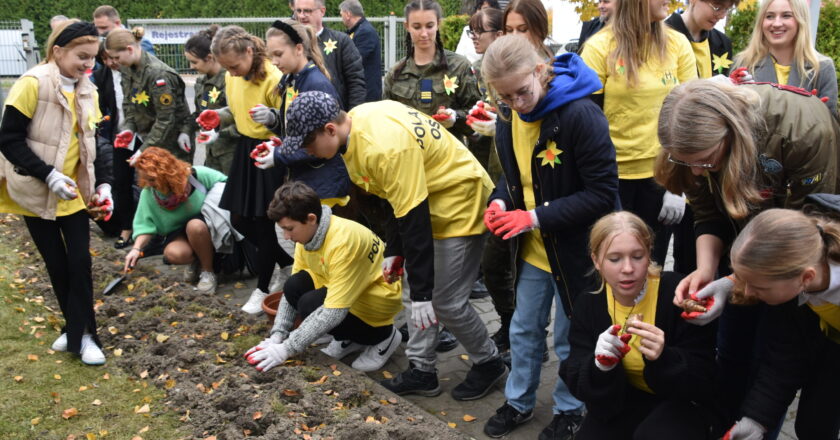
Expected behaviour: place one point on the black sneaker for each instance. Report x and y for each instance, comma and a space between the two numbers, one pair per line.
480, 379
404, 332
502, 339
446, 341
413, 381
562, 427
506, 419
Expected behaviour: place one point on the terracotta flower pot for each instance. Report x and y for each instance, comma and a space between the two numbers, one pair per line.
271, 303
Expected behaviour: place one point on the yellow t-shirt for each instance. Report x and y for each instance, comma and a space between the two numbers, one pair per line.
242, 95
403, 156
24, 97
633, 362
782, 73
829, 319
633, 113
702, 57
525, 136
349, 264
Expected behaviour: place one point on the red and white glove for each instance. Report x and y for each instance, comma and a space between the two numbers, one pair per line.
392, 268
493, 209
184, 142
482, 119
275, 338
105, 200
207, 137
269, 357
262, 115
509, 224
133, 159
611, 348
740, 75
423, 314
208, 120
263, 154
745, 429
125, 139
713, 297
446, 116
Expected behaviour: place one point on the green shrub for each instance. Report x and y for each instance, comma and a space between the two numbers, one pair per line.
451, 29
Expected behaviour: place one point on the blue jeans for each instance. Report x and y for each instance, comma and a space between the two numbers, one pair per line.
535, 290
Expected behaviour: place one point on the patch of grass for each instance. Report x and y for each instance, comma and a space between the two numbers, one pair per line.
148, 313
245, 342
310, 374
37, 392
278, 407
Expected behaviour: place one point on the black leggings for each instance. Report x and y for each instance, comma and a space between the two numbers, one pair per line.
63, 244
260, 232
643, 197
647, 417
301, 293
124, 205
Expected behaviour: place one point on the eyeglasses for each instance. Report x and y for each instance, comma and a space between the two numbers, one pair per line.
717, 9
520, 96
473, 34
706, 165
304, 11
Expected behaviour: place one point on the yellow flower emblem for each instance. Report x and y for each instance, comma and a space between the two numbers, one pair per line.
330, 46
141, 98
550, 155
720, 63
291, 94
366, 181
450, 84
214, 95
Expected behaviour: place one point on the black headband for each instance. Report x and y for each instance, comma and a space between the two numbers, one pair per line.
75, 30
288, 30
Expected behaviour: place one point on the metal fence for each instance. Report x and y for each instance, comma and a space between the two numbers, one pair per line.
18, 50
391, 35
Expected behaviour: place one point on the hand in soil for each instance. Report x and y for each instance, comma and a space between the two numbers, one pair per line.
273, 339
269, 357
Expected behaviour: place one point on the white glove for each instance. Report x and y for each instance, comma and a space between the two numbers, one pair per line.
610, 348
63, 186
269, 357
673, 208
423, 314
713, 297
207, 137
484, 128
133, 159
450, 121
746, 429
266, 161
184, 142
392, 268
275, 338
262, 115
104, 197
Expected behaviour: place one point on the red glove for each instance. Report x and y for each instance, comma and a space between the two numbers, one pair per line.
208, 119
490, 214
479, 113
740, 76
262, 149
824, 99
512, 223
440, 117
124, 139
705, 302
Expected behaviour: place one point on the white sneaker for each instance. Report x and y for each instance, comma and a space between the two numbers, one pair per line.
279, 277
326, 339
340, 349
60, 344
206, 283
375, 356
254, 304
91, 353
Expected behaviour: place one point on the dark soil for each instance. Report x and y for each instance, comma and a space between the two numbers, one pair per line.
159, 329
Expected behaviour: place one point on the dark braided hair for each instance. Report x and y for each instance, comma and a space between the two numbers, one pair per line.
422, 5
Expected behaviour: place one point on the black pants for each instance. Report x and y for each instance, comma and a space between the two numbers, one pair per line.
643, 197
818, 416
685, 243
301, 293
497, 267
260, 232
647, 417
63, 244
123, 191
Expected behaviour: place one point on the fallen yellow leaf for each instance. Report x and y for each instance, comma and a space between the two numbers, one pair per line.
144, 429
69, 412
90, 436
452, 425
465, 357
83, 388
142, 409
118, 352
387, 375
169, 384
57, 376
257, 415
96, 402
468, 418
113, 330
144, 374
336, 373
32, 357
162, 338
225, 336
18, 378
290, 393
107, 376
35, 421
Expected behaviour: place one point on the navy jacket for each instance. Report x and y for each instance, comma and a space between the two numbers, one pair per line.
345, 66
570, 195
328, 177
367, 42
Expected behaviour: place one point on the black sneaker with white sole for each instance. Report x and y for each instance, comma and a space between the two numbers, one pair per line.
413, 381
506, 419
480, 379
563, 426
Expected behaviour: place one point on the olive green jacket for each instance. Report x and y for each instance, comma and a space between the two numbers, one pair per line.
154, 104
460, 93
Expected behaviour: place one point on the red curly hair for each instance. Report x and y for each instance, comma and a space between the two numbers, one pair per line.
161, 170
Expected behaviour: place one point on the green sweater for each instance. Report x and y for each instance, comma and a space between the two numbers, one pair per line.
152, 218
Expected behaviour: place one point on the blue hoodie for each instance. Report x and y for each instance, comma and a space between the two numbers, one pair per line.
573, 80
